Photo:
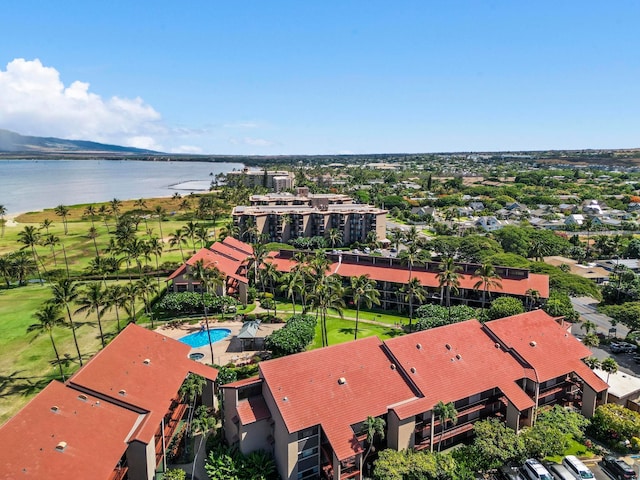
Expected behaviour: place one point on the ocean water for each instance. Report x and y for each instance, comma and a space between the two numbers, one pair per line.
28, 185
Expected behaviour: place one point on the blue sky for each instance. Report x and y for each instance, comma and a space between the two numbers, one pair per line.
311, 77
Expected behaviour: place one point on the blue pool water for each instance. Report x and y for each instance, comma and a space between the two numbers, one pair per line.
200, 339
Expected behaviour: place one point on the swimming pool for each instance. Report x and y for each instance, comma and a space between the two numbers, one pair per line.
200, 339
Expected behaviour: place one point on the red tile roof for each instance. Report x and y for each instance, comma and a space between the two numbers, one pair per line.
238, 245
545, 345
229, 252
252, 410
96, 435
427, 279
306, 389
224, 262
471, 364
149, 386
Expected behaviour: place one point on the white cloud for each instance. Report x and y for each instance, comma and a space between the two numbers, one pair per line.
36, 102
254, 142
187, 149
241, 125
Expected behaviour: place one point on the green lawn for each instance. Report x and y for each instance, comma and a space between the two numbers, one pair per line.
26, 359
341, 331
574, 448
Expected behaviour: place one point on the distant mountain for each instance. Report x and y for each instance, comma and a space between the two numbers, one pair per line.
14, 143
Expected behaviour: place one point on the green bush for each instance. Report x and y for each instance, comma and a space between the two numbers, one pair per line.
294, 337
505, 307
613, 424
187, 303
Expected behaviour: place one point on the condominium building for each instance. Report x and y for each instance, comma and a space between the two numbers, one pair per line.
276, 181
309, 409
112, 420
391, 274
301, 197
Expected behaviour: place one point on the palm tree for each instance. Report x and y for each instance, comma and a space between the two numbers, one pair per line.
588, 326
191, 389
487, 278
3, 212
92, 212
334, 236
270, 276
93, 234
538, 249
410, 256
448, 279
147, 289
446, 412
396, 237
292, 282
592, 362
372, 426
230, 230
257, 260
116, 298
103, 212
22, 266
413, 290
51, 240
115, 205
609, 366
363, 290
31, 237
199, 273
65, 292
6, 269
178, 238
591, 340
155, 247
202, 234
62, 211
93, 299
45, 224
160, 213
328, 294
190, 230
48, 317
131, 291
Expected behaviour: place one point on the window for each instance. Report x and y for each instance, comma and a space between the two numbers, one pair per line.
310, 473
307, 432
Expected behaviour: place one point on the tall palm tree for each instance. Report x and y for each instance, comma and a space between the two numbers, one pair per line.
115, 205
65, 293
334, 236
270, 276
91, 211
148, 289
327, 294
93, 234
48, 317
363, 290
178, 238
592, 362
6, 269
116, 298
30, 237
446, 412
372, 426
103, 211
160, 213
487, 278
292, 283
609, 366
51, 240
410, 257
396, 237
199, 273
202, 234
93, 299
257, 261
190, 390
448, 279
230, 230
413, 290
22, 266
190, 230
3, 212
45, 224
155, 247
63, 211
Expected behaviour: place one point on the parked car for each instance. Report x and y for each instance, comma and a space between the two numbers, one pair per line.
618, 469
507, 472
559, 472
578, 469
636, 358
534, 470
622, 347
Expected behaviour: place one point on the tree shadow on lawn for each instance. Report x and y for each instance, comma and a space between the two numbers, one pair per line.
16, 385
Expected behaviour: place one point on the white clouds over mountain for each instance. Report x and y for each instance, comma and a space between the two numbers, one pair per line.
36, 102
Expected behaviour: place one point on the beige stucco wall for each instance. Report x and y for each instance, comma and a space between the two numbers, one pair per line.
513, 417
230, 400
589, 397
400, 432
285, 447
254, 437
141, 459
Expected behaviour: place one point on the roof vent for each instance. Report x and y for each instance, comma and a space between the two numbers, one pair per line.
342, 380
61, 446
413, 369
447, 346
458, 356
419, 346
55, 409
82, 397
285, 399
122, 392
392, 366
146, 361
533, 343
497, 345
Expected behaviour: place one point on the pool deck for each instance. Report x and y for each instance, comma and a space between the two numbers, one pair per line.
227, 350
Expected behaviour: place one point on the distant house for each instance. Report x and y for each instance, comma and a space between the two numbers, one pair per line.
476, 206
592, 207
574, 219
423, 211
489, 224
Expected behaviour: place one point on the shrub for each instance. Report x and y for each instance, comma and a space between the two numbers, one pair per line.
505, 307
613, 424
294, 337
